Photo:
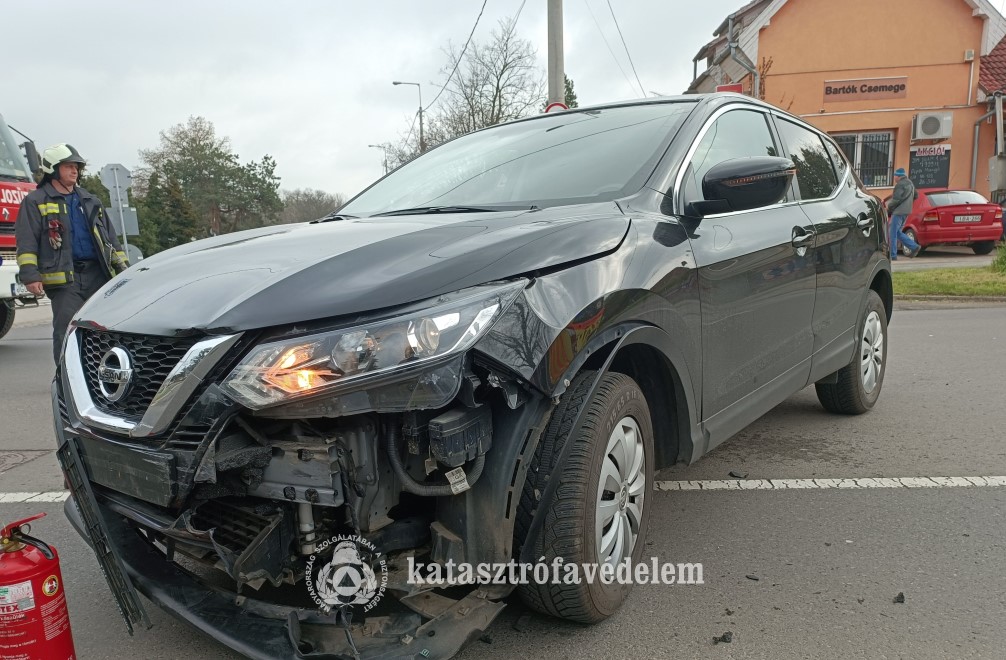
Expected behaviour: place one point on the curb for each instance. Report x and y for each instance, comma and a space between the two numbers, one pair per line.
947, 302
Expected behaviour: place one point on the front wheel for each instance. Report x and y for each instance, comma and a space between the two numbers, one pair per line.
601, 507
6, 317
858, 384
983, 247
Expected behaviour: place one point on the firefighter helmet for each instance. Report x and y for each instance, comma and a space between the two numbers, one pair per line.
59, 154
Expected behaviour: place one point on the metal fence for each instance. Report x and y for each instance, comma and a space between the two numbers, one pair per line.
870, 154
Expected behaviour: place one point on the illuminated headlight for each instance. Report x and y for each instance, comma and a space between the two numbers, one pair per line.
283, 371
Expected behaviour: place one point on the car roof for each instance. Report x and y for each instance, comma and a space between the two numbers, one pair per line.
714, 98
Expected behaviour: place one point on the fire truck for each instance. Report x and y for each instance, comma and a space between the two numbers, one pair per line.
15, 183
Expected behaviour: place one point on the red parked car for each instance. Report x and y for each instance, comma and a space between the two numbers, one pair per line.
954, 217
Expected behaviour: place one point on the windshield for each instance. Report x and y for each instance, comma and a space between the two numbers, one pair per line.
12, 162
952, 197
567, 158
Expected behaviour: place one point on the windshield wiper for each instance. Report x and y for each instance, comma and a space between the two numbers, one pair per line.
331, 217
424, 210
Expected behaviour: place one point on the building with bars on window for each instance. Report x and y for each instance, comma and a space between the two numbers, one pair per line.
901, 83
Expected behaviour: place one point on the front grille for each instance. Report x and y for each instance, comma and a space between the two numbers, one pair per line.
153, 358
7, 228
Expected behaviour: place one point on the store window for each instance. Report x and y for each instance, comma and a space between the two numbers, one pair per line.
871, 155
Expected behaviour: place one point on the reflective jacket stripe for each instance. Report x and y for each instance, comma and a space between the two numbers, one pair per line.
56, 278
49, 208
27, 259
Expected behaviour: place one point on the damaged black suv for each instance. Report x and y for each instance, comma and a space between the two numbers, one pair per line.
482, 358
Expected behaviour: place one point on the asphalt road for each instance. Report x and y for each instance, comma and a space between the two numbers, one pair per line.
829, 561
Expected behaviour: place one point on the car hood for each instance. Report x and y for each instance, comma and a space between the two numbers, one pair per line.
301, 272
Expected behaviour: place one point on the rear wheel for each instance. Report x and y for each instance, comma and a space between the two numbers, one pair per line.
6, 316
910, 233
858, 384
601, 507
984, 247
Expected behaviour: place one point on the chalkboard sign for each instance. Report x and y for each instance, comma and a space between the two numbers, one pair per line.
929, 167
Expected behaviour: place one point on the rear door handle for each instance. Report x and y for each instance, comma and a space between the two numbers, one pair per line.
804, 240
865, 222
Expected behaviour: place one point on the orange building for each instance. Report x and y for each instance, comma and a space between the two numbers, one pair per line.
898, 83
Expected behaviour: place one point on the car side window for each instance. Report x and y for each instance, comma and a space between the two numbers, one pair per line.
837, 159
815, 174
735, 134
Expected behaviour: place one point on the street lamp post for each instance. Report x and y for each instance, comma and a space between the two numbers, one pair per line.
384, 149
422, 139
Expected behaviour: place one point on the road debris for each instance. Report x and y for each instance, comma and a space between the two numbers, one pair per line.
725, 638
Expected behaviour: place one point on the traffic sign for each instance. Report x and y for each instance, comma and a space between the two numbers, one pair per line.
556, 107
117, 179
124, 220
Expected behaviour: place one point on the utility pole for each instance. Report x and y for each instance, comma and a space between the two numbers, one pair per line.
422, 139
556, 74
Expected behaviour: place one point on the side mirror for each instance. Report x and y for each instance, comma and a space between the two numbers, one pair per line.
31, 153
745, 183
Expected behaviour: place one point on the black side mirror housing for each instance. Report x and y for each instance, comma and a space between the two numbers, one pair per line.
741, 184
31, 153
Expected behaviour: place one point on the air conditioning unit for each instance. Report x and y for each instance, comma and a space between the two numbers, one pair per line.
933, 126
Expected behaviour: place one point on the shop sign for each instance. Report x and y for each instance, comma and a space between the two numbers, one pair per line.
865, 89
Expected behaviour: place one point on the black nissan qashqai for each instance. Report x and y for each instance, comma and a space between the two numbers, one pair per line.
481, 358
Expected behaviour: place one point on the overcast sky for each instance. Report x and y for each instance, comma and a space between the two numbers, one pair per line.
307, 82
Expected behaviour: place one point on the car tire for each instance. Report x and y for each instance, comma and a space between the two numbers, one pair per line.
858, 383
6, 317
983, 247
910, 233
615, 435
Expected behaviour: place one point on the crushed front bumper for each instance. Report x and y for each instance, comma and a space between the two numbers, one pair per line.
266, 631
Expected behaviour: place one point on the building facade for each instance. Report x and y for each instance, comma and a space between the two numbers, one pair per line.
898, 83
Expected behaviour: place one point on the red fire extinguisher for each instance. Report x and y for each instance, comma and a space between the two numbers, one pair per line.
34, 620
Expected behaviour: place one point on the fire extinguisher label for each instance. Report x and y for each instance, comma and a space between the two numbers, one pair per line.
18, 597
50, 586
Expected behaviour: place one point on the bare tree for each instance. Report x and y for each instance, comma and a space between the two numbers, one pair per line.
303, 205
495, 81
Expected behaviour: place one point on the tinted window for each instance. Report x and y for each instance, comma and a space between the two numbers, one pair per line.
956, 197
814, 172
736, 134
841, 165
569, 157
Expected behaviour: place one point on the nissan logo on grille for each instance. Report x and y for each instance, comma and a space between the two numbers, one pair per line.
115, 374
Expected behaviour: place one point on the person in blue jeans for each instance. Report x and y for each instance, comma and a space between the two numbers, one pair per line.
898, 208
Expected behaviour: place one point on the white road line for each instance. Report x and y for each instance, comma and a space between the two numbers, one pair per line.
50, 496
822, 484
730, 484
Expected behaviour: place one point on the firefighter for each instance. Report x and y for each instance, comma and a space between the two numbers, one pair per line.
66, 245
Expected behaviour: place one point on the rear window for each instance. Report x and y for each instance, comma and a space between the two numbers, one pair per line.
952, 197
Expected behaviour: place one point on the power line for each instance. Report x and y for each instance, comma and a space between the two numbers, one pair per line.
516, 18
641, 89
605, 39
458, 63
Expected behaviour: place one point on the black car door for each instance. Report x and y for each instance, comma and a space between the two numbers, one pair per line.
757, 283
847, 222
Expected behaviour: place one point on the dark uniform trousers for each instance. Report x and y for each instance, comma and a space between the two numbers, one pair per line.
88, 277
